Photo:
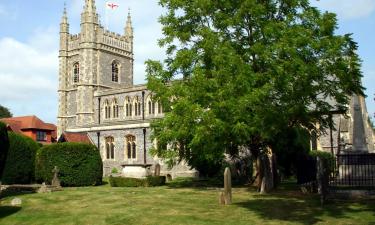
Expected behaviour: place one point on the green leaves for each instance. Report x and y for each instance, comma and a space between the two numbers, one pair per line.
239, 71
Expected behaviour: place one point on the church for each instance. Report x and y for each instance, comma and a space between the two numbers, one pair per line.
97, 98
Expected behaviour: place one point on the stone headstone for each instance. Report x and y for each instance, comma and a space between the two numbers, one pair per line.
16, 202
225, 197
43, 188
157, 170
55, 180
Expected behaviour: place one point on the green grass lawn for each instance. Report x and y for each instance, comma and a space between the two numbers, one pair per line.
181, 203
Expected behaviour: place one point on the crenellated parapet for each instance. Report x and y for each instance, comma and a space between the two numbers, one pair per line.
116, 42
74, 41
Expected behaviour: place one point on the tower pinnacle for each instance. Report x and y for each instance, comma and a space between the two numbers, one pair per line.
128, 27
90, 6
64, 26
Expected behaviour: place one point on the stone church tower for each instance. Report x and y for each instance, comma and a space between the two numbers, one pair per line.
91, 61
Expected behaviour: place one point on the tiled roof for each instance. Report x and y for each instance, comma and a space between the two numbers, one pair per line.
76, 137
27, 122
14, 126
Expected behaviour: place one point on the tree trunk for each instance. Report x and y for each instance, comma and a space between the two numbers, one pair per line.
257, 173
268, 171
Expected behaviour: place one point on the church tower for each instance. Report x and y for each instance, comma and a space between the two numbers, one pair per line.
93, 60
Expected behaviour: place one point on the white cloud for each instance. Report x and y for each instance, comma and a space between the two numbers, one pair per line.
29, 70
347, 9
28, 75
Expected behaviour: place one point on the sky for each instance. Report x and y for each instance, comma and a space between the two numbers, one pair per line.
29, 39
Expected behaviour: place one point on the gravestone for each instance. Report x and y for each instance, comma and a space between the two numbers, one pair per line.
157, 170
55, 180
43, 188
225, 197
16, 202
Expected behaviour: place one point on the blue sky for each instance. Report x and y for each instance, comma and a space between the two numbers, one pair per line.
29, 45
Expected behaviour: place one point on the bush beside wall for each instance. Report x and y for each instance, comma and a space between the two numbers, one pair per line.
4, 146
20, 162
79, 164
307, 165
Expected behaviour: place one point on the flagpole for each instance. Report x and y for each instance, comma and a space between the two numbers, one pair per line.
106, 16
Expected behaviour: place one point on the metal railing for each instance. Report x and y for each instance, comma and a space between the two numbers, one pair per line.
353, 170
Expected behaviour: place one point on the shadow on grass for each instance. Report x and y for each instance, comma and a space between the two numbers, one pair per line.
8, 210
292, 206
14, 193
194, 183
189, 182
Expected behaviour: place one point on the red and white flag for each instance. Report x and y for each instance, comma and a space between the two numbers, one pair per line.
111, 5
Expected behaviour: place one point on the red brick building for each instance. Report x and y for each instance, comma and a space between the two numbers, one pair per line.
33, 127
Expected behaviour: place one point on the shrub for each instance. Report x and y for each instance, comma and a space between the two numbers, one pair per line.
307, 165
150, 181
4, 146
114, 170
327, 158
125, 182
79, 164
20, 162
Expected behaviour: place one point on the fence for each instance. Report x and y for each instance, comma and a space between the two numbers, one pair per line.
353, 171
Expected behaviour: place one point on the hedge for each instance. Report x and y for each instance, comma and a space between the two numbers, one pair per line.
20, 162
149, 181
79, 164
4, 146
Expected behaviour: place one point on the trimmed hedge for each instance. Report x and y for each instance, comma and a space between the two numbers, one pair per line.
79, 164
4, 146
149, 181
20, 162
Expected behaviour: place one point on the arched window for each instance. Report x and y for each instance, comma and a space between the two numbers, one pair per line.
115, 108
110, 147
160, 108
151, 107
76, 72
128, 107
131, 147
115, 69
137, 106
107, 109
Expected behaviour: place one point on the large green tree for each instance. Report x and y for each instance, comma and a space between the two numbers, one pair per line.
4, 112
240, 72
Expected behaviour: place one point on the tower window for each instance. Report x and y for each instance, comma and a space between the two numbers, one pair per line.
76, 72
115, 70
131, 147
